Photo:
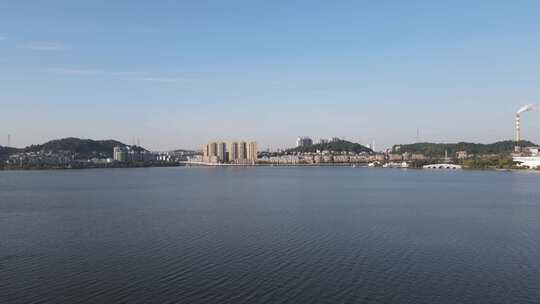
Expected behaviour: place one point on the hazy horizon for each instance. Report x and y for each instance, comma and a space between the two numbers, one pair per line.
178, 74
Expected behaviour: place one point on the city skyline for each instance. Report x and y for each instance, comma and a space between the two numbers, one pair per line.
358, 71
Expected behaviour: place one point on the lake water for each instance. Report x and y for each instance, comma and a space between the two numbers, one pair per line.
269, 235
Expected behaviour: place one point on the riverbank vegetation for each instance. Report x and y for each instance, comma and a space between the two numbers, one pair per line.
333, 146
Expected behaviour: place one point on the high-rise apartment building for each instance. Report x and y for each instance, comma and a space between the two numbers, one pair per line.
233, 151
210, 152
252, 151
241, 153
212, 149
242, 150
222, 152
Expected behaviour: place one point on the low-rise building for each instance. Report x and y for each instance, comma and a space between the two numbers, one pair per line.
532, 162
418, 156
395, 157
462, 154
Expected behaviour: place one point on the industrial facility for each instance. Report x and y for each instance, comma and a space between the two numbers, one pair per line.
525, 156
525, 108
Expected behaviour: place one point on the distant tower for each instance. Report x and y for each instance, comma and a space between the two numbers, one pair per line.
417, 135
9, 140
517, 148
518, 128
523, 109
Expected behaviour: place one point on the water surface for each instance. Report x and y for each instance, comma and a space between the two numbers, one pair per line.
269, 235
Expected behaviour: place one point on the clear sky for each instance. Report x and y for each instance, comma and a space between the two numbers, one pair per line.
177, 74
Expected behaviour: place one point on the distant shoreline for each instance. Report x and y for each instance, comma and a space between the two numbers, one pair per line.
214, 165
108, 166
201, 164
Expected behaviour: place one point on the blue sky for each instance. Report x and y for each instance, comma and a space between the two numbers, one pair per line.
177, 74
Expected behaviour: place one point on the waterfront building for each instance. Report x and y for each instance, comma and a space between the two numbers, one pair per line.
532, 162
379, 157
41, 158
120, 154
242, 150
252, 151
210, 152
233, 151
132, 154
533, 151
212, 149
342, 159
461, 154
395, 157
418, 156
222, 152
407, 156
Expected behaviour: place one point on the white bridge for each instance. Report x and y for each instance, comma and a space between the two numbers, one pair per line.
442, 166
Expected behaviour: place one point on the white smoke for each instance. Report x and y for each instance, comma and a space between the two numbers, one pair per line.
527, 108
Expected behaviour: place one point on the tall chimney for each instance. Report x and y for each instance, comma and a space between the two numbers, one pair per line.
518, 131
517, 148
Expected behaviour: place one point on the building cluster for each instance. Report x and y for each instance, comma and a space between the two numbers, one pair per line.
325, 156
321, 157
121, 157
528, 157
56, 159
530, 151
398, 157
131, 154
241, 153
41, 159
305, 141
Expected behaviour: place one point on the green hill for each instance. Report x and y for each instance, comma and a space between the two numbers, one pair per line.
335, 146
439, 149
83, 148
